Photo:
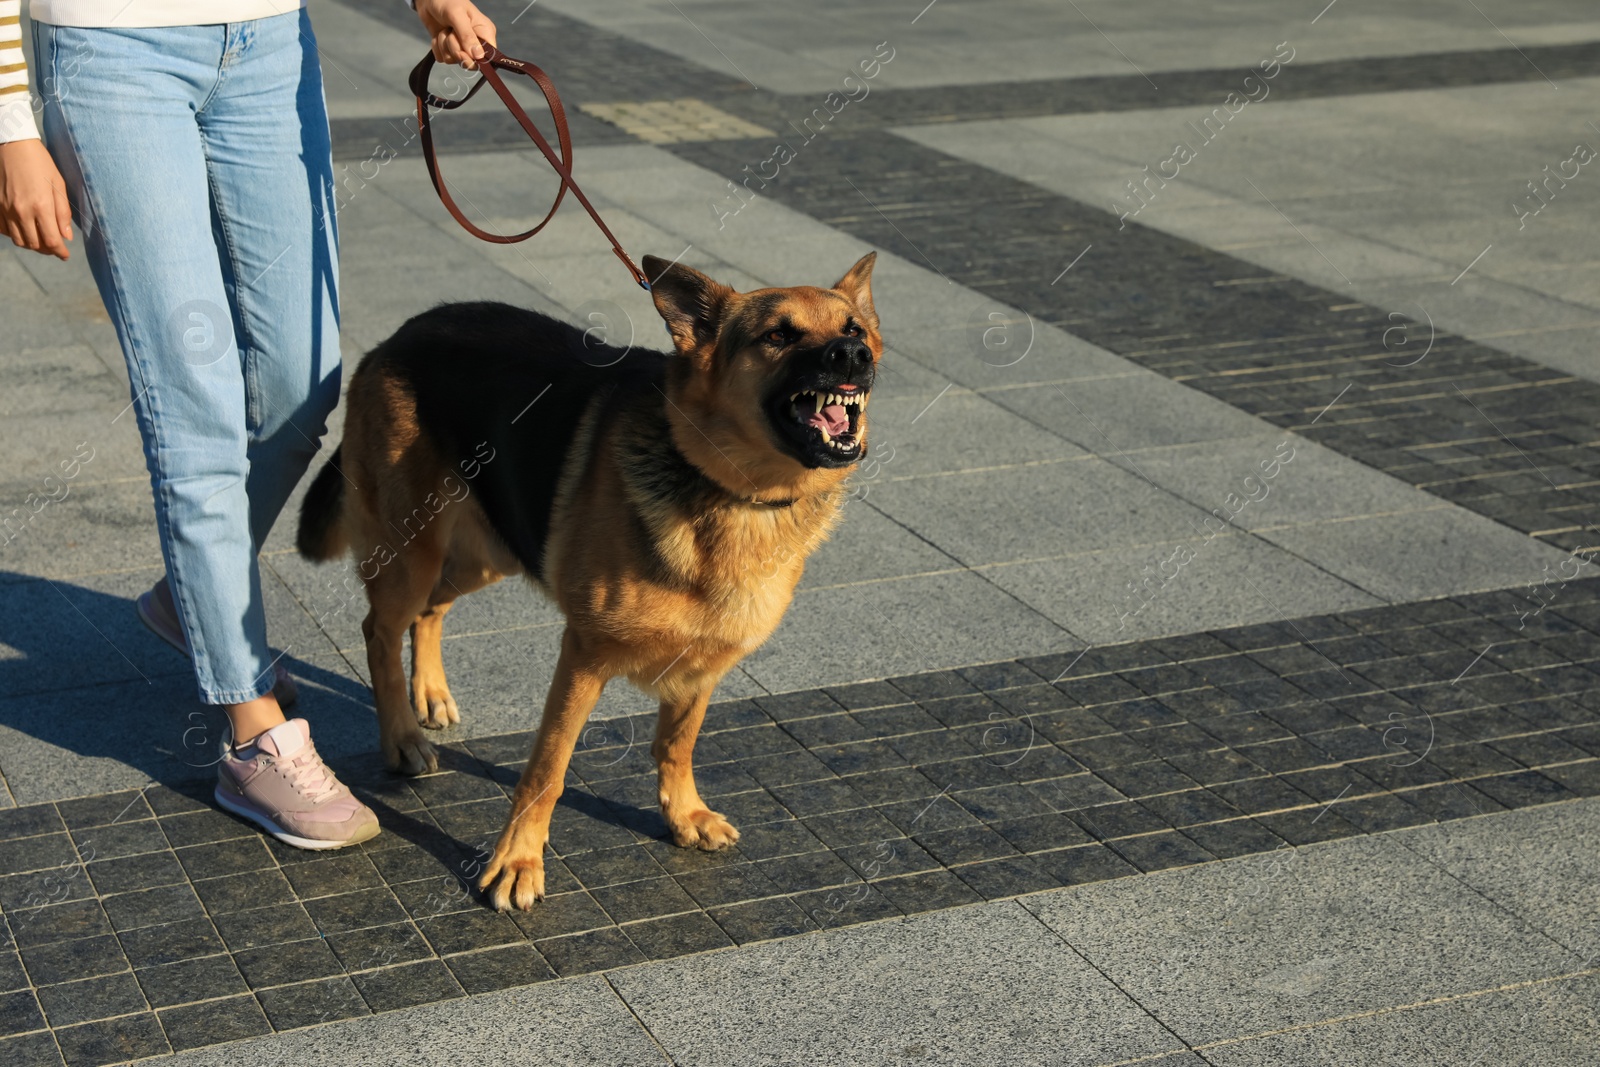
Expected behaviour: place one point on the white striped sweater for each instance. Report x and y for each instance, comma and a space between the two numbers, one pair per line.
18, 106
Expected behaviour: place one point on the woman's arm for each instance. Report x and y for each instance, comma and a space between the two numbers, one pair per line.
34, 211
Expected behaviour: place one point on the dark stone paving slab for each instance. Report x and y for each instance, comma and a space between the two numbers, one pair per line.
142, 921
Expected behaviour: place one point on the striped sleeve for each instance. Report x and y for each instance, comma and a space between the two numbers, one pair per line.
16, 105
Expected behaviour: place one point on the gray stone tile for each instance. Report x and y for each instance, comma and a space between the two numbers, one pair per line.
1297, 936
58, 379
902, 626
867, 545
31, 321
1316, 484
68, 634
1545, 1025
977, 341
960, 430
1543, 864
365, 62
1109, 416
1232, 580
1420, 554
595, 1029
828, 998
96, 527
900, 375
47, 754
36, 445
1036, 512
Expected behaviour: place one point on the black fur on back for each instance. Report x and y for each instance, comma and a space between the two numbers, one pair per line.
474, 370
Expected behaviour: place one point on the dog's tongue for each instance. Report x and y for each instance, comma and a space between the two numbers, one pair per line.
832, 419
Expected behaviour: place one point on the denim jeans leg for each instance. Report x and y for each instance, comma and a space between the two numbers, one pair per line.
123, 119
268, 155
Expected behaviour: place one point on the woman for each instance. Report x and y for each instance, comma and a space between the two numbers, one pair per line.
188, 142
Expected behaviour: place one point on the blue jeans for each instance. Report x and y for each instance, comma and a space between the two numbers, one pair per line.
198, 162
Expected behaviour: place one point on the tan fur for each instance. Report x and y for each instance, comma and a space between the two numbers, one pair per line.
733, 568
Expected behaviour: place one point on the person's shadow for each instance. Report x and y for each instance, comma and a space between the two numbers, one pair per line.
80, 674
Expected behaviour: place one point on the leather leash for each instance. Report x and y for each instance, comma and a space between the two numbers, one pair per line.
492, 61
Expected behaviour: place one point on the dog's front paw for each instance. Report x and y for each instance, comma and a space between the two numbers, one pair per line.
703, 829
410, 753
513, 882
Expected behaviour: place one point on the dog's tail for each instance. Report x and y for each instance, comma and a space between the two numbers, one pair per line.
321, 535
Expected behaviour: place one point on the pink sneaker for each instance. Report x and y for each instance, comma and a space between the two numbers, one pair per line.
280, 783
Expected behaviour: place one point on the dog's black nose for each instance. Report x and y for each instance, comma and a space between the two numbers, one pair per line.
846, 356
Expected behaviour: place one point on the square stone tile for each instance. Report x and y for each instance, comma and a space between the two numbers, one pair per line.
1286, 939
1546, 1025
598, 1030
1538, 863
832, 1012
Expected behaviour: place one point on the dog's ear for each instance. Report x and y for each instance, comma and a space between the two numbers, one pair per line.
690, 303
857, 286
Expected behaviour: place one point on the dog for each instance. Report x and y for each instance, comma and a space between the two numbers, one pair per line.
666, 501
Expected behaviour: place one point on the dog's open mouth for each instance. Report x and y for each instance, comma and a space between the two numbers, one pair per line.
823, 424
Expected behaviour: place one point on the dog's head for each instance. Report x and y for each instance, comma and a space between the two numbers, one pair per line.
769, 391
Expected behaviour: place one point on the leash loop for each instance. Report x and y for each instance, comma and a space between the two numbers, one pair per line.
489, 66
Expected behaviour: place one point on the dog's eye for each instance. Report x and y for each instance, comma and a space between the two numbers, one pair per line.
853, 330
778, 337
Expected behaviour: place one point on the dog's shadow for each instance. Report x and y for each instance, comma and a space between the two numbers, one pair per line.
460, 834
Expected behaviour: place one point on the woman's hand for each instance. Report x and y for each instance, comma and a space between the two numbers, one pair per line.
458, 30
33, 199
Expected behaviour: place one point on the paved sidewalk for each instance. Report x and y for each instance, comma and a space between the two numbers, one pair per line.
1225, 683
1477, 946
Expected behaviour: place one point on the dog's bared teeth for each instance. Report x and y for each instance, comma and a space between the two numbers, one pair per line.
821, 400
825, 438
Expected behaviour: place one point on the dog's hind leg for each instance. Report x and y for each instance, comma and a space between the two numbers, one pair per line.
472, 562
430, 693
693, 825
515, 873
398, 593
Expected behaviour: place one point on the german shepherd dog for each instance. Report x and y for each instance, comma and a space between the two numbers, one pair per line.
666, 501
